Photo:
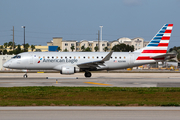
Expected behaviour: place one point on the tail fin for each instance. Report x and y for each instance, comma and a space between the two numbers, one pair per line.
158, 45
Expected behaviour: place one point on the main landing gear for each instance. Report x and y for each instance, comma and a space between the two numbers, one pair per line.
87, 74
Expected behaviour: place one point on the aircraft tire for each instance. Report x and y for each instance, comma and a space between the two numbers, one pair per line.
87, 74
25, 76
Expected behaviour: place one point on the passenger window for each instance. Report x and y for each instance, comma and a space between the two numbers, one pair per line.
97, 57
74, 57
39, 57
88, 57
56, 56
70, 57
84, 57
115, 57
52, 57
93, 57
124, 57
111, 57
101, 57
65, 57
119, 57
79, 57
48, 57
61, 57
43, 57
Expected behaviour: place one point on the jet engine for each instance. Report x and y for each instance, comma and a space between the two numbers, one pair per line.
69, 70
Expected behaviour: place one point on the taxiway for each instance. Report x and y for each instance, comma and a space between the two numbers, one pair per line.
98, 79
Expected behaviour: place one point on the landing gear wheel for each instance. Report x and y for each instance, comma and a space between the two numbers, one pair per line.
87, 74
25, 76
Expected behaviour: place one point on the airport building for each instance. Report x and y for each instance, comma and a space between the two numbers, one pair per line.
65, 45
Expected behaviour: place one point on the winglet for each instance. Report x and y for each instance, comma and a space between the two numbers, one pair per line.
108, 56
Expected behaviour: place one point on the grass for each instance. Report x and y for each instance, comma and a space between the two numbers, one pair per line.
89, 96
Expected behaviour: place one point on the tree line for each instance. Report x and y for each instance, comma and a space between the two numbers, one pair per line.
17, 48
117, 48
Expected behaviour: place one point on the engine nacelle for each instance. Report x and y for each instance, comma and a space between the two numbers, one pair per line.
69, 70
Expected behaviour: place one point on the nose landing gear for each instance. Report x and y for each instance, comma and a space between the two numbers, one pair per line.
25, 76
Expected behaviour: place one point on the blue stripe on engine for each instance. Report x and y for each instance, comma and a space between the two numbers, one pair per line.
166, 24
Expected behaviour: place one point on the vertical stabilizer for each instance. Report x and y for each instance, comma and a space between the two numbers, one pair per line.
158, 45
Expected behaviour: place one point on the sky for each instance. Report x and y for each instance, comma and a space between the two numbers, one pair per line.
80, 19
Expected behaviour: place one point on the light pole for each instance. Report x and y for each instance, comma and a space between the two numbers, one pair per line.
100, 39
24, 37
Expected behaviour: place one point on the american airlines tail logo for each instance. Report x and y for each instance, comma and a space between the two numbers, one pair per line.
158, 45
39, 60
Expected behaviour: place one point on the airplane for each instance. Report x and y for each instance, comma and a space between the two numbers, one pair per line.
73, 62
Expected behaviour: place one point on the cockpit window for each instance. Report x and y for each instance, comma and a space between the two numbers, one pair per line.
17, 56
14, 57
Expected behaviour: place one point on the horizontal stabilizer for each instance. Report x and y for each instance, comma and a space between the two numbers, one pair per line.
168, 55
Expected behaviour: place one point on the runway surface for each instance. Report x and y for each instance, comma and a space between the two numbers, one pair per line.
90, 113
98, 79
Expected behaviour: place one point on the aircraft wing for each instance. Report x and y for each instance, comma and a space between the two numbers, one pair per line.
95, 63
167, 56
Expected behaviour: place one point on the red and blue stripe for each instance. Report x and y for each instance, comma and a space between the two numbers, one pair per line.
158, 45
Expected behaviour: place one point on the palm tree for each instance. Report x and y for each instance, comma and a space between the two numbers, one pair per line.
32, 47
65, 50
72, 48
87, 49
83, 48
26, 47
10, 44
105, 49
10, 47
6, 45
96, 48
1, 47
58, 49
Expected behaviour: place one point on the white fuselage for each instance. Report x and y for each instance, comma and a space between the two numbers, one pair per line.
50, 60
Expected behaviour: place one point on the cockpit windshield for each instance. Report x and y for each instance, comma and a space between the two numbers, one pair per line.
17, 56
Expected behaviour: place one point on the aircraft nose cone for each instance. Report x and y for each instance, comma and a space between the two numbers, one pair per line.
5, 65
